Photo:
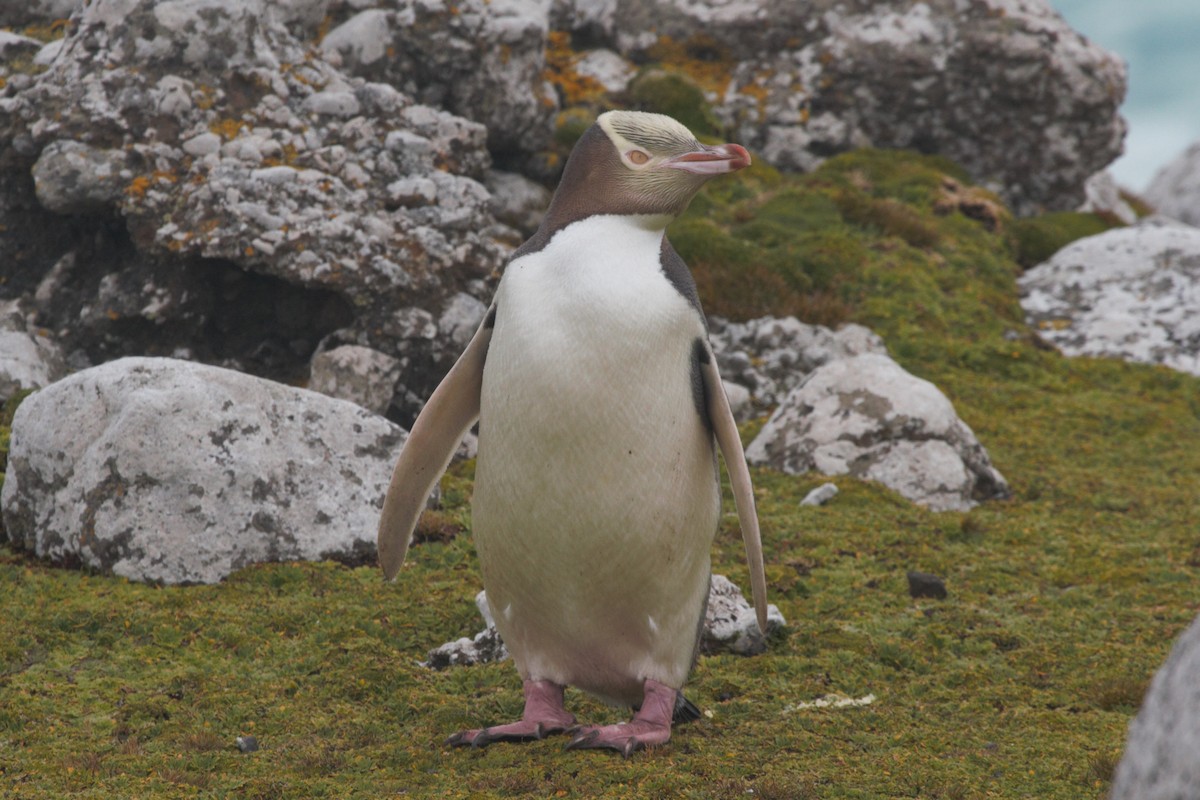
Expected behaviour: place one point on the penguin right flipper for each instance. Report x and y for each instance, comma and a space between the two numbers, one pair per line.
446, 417
725, 427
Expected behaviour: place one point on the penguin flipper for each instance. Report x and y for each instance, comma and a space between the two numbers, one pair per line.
725, 427
449, 413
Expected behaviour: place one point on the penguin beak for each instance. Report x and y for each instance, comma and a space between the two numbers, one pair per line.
711, 160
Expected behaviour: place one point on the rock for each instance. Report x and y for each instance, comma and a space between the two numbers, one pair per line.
866, 416
358, 374
517, 201
1160, 762
484, 648
739, 401
607, 69
73, 178
1130, 293
820, 495
922, 584
28, 361
169, 471
730, 624
246, 744
1102, 195
30, 12
1175, 189
799, 82
772, 355
223, 169
481, 59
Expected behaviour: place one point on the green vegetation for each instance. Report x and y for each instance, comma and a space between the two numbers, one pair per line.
1039, 238
1063, 601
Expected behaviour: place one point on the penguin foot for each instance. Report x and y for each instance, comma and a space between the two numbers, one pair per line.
544, 715
650, 726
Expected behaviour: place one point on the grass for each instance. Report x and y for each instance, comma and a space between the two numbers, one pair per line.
1062, 601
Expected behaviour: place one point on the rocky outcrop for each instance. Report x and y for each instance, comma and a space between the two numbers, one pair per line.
770, 356
165, 470
798, 82
1130, 293
1175, 189
480, 59
866, 416
247, 178
1160, 762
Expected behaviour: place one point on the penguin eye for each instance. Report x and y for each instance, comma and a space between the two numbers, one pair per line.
637, 157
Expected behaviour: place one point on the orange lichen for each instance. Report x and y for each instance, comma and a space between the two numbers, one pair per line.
701, 58
560, 71
228, 128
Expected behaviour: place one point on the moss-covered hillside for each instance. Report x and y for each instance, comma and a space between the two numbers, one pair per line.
1062, 602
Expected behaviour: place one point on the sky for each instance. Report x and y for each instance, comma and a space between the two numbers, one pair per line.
1160, 42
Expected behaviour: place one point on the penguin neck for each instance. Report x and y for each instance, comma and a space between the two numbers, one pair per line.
654, 226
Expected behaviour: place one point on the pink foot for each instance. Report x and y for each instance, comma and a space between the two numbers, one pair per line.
544, 714
651, 725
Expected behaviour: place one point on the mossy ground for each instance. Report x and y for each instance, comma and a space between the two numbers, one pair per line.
1062, 601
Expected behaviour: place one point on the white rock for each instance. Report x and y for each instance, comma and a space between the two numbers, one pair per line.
461, 317
1130, 293
730, 623
164, 470
72, 177
361, 40
1175, 189
866, 416
739, 400
606, 68
1160, 761
202, 145
358, 374
1102, 194
333, 103
28, 361
820, 495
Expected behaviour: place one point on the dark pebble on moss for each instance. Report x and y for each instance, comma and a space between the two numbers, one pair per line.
922, 584
247, 744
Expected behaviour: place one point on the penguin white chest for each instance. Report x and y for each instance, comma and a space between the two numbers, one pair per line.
596, 493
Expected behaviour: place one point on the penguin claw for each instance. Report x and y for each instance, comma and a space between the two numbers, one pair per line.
592, 740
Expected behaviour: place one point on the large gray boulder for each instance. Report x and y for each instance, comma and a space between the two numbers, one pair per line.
868, 417
801, 81
1131, 293
1160, 760
1175, 189
166, 470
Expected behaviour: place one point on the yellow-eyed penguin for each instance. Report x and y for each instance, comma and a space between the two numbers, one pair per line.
597, 491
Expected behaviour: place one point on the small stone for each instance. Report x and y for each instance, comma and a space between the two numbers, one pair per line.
820, 495
923, 584
247, 744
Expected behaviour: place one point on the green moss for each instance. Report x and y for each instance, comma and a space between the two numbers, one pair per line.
1062, 601
674, 95
1038, 238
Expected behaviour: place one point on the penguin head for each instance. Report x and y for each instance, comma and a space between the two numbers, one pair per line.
638, 163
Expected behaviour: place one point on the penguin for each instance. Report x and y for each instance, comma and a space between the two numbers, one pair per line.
600, 408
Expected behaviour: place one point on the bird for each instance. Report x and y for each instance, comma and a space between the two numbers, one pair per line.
600, 412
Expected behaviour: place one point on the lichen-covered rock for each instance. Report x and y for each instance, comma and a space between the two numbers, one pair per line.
358, 374
866, 416
730, 624
1102, 195
1160, 761
1175, 189
1130, 293
28, 361
798, 82
771, 355
481, 59
166, 470
219, 141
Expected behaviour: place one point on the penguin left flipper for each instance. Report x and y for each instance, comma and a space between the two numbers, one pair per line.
725, 427
446, 417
